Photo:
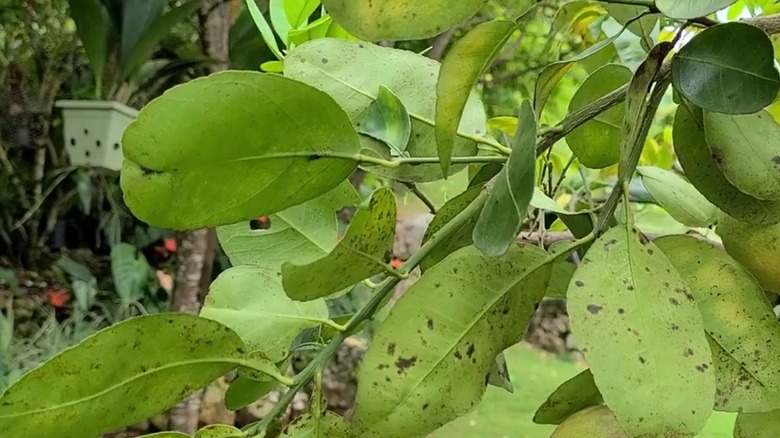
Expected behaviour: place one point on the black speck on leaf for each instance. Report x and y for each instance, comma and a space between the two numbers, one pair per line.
391, 348
579, 283
674, 302
470, 351
594, 309
430, 324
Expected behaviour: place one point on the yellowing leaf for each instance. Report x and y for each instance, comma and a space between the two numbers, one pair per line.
638, 325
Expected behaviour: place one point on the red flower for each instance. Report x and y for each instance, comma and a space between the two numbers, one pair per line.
57, 297
170, 244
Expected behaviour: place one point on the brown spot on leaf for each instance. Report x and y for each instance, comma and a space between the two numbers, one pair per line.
642, 360
644, 241
430, 324
674, 302
470, 350
404, 364
688, 352
621, 311
579, 283
391, 348
458, 355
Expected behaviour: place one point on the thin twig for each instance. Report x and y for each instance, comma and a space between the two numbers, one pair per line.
366, 313
421, 196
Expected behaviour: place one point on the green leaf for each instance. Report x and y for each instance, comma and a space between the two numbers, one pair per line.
92, 25
329, 64
728, 68
465, 62
594, 421
251, 301
758, 425
328, 425
678, 197
159, 29
572, 396
130, 271
637, 323
137, 18
596, 143
744, 148
265, 30
702, 171
300, 234
453, 321
756, 247
243, 392
553, 73
741, 325
363, 252
687, 9
562, 272
507, 205
279, 18
137, 368
219, 431
635, 129
628, 16
299, 11
459, 238
397, 20
166, 435
175, 143
499, 375
388, 121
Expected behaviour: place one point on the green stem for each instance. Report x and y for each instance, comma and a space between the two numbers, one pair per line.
367, 312
455, 160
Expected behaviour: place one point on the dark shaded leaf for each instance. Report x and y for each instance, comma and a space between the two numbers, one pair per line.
728, 68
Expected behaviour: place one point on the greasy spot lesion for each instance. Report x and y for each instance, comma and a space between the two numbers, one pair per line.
403, 364
391, 348
594, 309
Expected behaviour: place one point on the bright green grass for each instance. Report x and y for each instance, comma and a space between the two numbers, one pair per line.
535, 375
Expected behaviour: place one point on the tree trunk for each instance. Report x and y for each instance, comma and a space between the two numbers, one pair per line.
197, 248
196, 256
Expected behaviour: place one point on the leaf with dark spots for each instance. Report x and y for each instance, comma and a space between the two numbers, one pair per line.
391, 348
641, 331
738, 321
466, 341
359, 255
127, 386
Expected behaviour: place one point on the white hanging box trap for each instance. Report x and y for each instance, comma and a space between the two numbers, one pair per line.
93, 131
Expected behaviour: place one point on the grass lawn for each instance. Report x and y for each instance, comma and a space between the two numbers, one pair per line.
534, 376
